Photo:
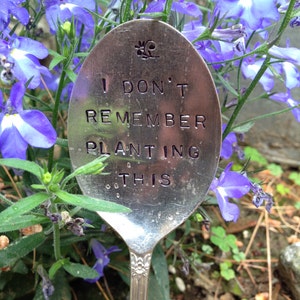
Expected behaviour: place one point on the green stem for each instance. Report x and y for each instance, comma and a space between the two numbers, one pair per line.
125, 13
286, 19
56, 241
167, 11
263, 68
264, 116
5, 200
245, 96
55, 115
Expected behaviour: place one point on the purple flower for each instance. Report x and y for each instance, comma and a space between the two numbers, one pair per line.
229, 40
251, 13
230, 145
260, 197
250, 68
63, 10
47, 286
102, 258
230, 185
12, 7
19, 127
180, 6
22, 55
287, 99
186, 8
295, 22
292, 75
284, 4
290, 54
235, 34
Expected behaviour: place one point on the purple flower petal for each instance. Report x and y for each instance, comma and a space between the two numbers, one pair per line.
97, 248
230, 185
155, 6
102, 258
228, 145
288, 53
16, 96
292, 75
287, 98
229, 211
250, 68
89, 4
11, 7
21, 14
36, 129
2, 106
28, 68
12, 144
29, 46
187, 8
251, 13
62, 11
235, 184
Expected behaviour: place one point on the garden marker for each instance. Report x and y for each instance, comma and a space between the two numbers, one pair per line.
145, 98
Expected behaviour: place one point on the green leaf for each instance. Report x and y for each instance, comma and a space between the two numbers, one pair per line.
94, 167
152, 15
223, 241
20, 222
217, 238
231, 241
275, 169
81, 54
282, 189
226, 271
56, 266
238, 256
21, 164
227, 85
57, 58
255, 155
207, 249
81, 271
243, 128
72, 75
62, 142
160, 268
20, 248
38, 186
295, 176
90, 203
219, 231
23, 206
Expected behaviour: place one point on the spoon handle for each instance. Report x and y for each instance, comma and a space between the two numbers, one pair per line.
139, 266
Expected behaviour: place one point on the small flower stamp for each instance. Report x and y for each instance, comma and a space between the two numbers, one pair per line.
145, 49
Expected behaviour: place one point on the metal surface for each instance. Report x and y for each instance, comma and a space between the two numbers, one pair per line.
146, 98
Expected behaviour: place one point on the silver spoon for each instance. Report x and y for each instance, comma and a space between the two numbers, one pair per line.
145, 97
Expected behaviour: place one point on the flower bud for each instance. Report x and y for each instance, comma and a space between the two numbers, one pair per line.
66, 27
46, 178
32, 229
92, 168
4, 241
54, 188
58, 176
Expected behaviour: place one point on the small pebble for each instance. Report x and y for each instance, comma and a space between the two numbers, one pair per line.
172, 269
180, 284
4, 241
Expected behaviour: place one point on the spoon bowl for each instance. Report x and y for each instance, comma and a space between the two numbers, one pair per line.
145, 98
